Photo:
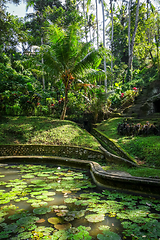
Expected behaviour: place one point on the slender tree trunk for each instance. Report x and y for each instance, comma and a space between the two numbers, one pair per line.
111, 9
104, 45
85, 17
129, 29
133, 37
63, 114
157, 43
43, 80
97, 23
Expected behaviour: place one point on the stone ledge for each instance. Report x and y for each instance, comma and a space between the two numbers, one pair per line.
113, 152
101, 178
51, 150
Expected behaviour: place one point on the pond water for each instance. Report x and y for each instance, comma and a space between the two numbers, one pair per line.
49, 202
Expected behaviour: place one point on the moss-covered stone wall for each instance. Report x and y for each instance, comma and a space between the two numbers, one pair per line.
111, 146
43, 150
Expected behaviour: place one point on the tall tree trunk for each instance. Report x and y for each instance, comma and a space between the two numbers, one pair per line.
111, 9
97, 23
43, 80
85, 17
157, 37
104, 45
133, 37
129, 28
63, 114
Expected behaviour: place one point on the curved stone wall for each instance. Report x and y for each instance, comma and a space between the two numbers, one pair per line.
48, 150
101, 178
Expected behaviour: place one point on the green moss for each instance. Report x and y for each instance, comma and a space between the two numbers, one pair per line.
44, 130
146, 150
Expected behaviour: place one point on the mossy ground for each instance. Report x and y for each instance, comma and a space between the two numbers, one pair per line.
145, 149
44, 130
49, 131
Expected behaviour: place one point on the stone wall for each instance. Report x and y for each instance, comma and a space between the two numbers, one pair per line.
111, 146
43, 150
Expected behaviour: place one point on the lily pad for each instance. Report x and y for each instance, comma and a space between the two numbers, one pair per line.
41, 210
28, 176
63, 226
95, 217
42, 220
70, 200
24, 235
54, 220
39, 204
69, 218
108, 235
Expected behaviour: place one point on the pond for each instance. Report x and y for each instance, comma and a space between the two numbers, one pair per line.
51, 202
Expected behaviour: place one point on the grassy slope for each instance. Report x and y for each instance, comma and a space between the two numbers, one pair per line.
44, 130
146, 150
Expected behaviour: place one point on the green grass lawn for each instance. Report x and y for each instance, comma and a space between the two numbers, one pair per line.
145, 150
44, 130
49, 131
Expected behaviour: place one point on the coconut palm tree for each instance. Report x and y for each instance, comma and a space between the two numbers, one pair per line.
69, 59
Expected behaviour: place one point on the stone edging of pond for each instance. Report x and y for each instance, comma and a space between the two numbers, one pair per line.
102, 179
112, 148
51, 150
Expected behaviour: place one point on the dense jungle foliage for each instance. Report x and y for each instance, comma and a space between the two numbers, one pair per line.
54, 61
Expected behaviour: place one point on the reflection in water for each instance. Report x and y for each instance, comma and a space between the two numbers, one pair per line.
38, 201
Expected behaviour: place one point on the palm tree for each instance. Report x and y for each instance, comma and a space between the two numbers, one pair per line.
70, 59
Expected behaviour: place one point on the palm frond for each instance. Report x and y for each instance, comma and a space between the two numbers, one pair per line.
91, 60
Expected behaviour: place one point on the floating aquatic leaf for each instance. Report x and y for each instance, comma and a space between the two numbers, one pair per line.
45, 230
49, 199
63, 226
33, 201
36, 193
70, 200
40, 220
108, 235
28, 176
27, 220
54, 220
10, 228
66, 191
49, 193
43, 175
24, 235
69, 218
24, 198
111, 214
52, 177
41, 210
59, 189
18, 215
61, 235
39, 204
104, 227
61, 213
41, 196
95, 217
75, 189
62, 207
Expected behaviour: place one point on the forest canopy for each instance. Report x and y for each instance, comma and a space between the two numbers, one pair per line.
65, 58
